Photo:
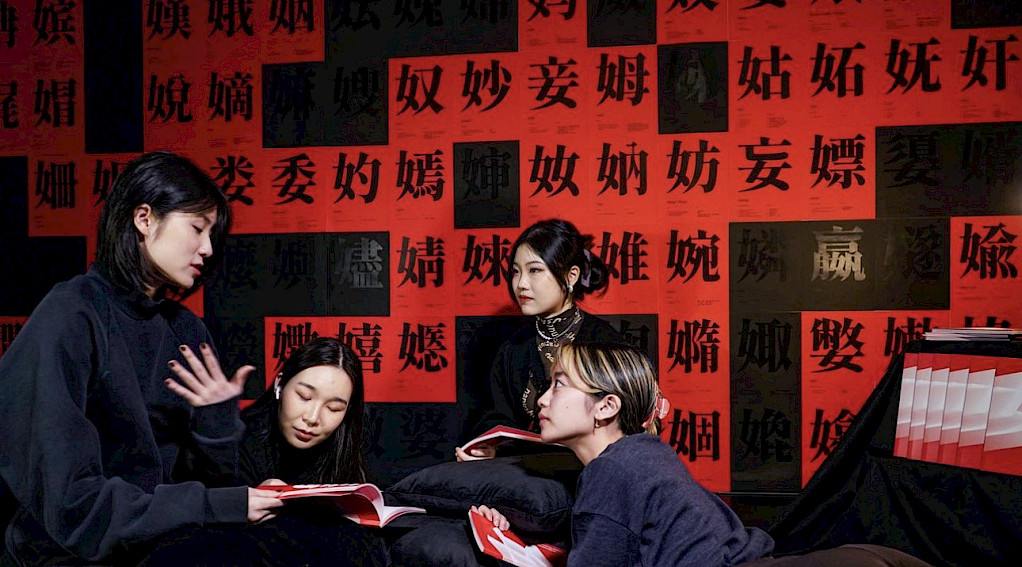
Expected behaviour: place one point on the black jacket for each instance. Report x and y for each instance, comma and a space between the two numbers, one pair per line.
518, 361
99, 454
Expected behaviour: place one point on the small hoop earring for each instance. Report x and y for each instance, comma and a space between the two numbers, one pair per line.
570, 289
276, 387
596, 423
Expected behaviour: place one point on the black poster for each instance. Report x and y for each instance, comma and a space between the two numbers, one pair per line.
620, 23
486, 185
692, 87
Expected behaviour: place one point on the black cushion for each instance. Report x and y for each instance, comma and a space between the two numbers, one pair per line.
534, 492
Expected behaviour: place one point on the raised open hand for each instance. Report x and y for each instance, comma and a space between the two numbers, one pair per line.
205, 383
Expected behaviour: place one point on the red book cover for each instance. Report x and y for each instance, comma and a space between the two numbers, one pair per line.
935, 406
976, 411
502, 434
908, 388
919, 400
360, 503
1002, 446
508, 547
954, 402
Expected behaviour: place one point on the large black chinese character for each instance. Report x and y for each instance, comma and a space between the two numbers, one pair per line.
486, 11
767, 344
409, 85
168, 17
763, 83
694, 255
989, 252
349, 173
840, 161
626, 78
839, 341
772, 171
827, 434
542, 8
767, 436
837, 255
421, 176
424, 432
555, 80
291, 15
230, 17
694, 343
55, 102
358, 264
234, 176
56, 185
487, 173
293, 262
914, 157
292, 92
494, 81
421, 348
686, 167
626, 261
898, 336
230, 96
762, 254
364, 17
833, 73
8, 22
617, 169
975, 62
356, 92
54, 21
898, 61
287, 338
364, 340
169, 101
708, 4
487, 260
697, 435
421, 261
547, 170
103, 178
428, 11
7, 333
297, 174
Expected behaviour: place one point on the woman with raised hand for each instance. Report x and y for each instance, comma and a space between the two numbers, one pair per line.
103, 449
636, 502
552, 269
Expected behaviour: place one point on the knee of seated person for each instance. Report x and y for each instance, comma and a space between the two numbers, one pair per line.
849, 555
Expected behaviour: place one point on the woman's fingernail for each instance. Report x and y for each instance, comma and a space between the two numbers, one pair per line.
171, 364
203, 346
182, 348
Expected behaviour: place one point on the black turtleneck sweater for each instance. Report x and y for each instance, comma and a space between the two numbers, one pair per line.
100, 455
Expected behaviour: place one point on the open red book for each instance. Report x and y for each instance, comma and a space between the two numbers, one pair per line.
508, 547
360, 503
502, 434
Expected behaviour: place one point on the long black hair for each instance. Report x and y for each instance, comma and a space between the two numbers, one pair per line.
341, 459
167, 183
562, 246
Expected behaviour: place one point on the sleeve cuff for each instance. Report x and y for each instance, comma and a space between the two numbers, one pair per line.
218, 421
227, 505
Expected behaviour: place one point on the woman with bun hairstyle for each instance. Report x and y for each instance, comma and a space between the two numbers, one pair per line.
552, 269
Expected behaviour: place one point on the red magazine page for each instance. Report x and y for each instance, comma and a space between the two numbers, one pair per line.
508, 547
976, 411
502, 434
935, 406
919, 399
360, 503
1002, 446
908, 388
954, 401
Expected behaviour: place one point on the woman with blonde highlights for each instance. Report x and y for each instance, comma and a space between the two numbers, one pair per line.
636, 502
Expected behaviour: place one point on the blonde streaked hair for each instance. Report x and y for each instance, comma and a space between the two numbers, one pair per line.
606, 368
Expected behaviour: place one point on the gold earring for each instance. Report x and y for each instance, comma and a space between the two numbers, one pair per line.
596, 423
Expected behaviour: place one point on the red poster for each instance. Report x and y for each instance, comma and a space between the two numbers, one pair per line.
424, 99
984, 270
491, 104
425, 262
356, 179
558, 25
478, 262
59, 195
417, 181
290, 31
686, 22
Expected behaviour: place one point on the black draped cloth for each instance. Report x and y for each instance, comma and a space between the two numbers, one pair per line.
946, 515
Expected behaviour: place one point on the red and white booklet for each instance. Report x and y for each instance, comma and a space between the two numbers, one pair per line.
502, 434
508, 547
360, 503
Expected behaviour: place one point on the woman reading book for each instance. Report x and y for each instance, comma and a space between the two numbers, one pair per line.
105, 448
308, 427
636, 503
552, 269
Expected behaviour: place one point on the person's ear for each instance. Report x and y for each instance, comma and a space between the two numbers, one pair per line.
572, 277
144, 219
608, 408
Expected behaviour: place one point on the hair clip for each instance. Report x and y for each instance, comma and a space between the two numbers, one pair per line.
660, 408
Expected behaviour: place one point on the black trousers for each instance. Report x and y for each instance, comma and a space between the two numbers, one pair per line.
852, 555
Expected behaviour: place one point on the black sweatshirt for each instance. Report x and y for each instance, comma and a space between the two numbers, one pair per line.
101, 456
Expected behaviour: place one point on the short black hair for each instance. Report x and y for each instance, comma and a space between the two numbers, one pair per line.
167, 183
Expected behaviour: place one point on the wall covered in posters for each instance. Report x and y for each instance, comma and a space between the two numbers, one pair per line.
787, 192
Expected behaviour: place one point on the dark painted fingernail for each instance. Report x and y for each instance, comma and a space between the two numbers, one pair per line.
182, 348
204, 346
171, 364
